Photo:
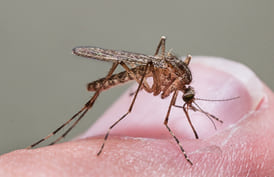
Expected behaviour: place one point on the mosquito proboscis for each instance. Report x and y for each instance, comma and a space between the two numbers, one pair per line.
170, 76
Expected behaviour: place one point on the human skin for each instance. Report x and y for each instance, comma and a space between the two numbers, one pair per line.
140, 145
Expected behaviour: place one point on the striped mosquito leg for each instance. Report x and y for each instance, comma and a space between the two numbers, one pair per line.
85, 109
172, 102
88, 105
129, 110
70, 128
57, 130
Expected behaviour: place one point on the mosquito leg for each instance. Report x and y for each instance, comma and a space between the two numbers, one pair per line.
147, 88
187, 59
188, 118
208, 115
169, 88
172, 102
85, 109
129, 71
189, 121
57, 130
89, 104
161, 45
71, 127
129, 110
156, 87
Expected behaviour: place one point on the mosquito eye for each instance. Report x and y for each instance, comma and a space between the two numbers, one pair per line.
188, 97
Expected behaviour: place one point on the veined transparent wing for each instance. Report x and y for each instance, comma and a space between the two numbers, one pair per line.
117, 55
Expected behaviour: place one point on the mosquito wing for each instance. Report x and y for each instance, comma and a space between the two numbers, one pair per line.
117, 55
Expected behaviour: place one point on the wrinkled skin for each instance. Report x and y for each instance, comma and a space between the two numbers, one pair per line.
141, 146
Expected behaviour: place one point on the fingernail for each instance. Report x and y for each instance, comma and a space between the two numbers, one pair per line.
213, 79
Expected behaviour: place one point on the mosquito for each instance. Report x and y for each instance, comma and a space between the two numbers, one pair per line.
170, 76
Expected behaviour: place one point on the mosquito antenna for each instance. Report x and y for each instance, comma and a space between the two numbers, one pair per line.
226, 99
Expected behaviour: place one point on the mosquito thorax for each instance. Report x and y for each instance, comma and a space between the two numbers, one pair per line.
180, 68
189, 94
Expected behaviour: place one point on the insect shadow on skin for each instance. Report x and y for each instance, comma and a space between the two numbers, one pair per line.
170, 75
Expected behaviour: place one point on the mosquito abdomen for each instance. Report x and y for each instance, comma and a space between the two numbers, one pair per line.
114, 80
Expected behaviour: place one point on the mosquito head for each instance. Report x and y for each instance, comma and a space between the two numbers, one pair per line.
189, 95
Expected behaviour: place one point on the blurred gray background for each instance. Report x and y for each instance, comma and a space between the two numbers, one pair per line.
42, 84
